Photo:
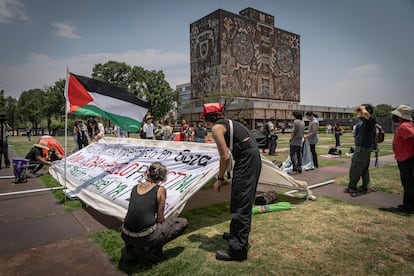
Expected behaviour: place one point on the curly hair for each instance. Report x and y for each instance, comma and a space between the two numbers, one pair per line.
157, 172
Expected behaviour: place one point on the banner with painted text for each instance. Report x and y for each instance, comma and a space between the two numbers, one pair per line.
103, 174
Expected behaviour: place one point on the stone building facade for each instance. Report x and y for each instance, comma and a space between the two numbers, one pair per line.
245, 62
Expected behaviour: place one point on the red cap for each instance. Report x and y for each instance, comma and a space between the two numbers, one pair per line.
212, 108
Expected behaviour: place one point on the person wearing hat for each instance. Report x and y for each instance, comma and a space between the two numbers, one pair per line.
403, 147
246, 172
148, 127
364, 139
37, 157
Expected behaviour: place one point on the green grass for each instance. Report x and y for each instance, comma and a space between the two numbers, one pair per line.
322, 237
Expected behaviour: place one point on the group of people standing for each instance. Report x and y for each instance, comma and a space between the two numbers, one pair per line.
83, 134
164, 131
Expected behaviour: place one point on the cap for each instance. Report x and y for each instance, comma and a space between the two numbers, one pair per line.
403, 111
212, 108
42, 145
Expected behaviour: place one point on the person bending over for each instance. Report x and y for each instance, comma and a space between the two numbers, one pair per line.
37, 157
246, 172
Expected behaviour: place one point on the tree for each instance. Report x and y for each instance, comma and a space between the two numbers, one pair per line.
10, 109
149, 86
159, 94
30, 106
383, 110
54, 102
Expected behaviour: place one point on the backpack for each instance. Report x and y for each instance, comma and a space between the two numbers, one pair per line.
266, 130
379, 134
334, 151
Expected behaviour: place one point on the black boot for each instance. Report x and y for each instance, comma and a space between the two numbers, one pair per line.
223, 255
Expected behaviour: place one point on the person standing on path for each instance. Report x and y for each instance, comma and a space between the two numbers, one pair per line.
296, 141
272, 137
313, 135
403, 147
364, 138
338, 131
246, 172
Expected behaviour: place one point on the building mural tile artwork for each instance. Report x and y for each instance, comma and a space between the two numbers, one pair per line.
244, 54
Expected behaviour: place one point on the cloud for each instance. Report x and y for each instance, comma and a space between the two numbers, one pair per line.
365, 70
40, 70
64, 29
12, 10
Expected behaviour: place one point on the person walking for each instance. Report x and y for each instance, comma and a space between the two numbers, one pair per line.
338, 131
312, 136
364, 139
296, 142
145, 227
246, 172
403, 147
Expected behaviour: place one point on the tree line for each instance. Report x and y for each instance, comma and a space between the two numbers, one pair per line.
45, 108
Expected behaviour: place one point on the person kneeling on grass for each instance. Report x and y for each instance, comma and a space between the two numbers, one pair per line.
145, 227
37, 159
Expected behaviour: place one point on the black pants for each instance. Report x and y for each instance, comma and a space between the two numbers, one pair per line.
34, 166
296, 157
4, 150
407, 180
246, 174
314, 155
272, 144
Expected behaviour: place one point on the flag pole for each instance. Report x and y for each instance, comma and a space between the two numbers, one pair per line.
66, 126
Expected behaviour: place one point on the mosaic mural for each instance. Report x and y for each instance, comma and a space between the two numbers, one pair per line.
244, 55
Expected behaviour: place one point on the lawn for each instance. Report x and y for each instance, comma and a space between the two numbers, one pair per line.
322, 237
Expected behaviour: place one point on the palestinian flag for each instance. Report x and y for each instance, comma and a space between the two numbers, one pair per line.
89, 97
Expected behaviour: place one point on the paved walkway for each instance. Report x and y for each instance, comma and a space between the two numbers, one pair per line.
38, 237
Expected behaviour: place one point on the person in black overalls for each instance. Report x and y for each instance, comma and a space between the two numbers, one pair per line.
246, 174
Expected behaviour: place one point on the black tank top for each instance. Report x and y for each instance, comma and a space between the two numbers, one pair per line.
142, 210
240, 132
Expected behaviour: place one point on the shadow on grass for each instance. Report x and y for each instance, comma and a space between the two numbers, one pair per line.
141, 263
210, 244
396, 211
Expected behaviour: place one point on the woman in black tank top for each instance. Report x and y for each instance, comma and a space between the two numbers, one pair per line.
145, 225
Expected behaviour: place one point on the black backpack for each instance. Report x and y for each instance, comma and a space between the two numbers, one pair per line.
266, 130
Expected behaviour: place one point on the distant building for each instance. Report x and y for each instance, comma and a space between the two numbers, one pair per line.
244, 62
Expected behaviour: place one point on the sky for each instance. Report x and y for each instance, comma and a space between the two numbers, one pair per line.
352, 51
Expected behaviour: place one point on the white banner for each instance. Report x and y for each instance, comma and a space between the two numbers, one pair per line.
103, 174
